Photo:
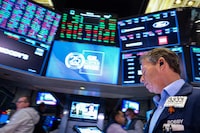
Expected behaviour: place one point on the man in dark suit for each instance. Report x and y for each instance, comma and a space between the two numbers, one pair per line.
177, 102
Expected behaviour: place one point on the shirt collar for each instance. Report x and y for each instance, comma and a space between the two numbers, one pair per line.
173, 88
170, 90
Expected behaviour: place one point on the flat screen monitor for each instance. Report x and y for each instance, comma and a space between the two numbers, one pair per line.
131, 70
84, 62
29, 19
16, 53
27, 31
88, 27
149, 30
4, 118
84, 110
130, 104
195, 63
87, 129
45, 97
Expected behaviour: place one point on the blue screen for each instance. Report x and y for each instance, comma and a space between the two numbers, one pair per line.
3, 118
195, 63
85, 62
150, 30
130, 104
46, 97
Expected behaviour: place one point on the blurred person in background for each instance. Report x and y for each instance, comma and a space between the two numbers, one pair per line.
116, 123
133, 123
39, 126
24, 119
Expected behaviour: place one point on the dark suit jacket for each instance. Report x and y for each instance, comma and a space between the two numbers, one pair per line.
190, 113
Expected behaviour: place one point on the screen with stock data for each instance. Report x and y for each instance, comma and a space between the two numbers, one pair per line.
88, 27
27, 31
151, 30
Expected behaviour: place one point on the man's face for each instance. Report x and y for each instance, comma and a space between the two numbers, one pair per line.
120, 118
151, 76
22, 103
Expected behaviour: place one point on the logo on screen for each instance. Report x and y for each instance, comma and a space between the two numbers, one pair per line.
74, 60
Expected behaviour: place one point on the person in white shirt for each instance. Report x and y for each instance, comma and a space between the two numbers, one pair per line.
23, 120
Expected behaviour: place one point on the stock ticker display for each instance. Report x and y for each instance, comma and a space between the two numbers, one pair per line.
88, 27
27, 31
148, 31
29, 19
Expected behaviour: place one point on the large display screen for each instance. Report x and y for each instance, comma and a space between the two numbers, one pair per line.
27, 31
150, 30
84, 62
195, 62
84, 110
131, 68
29, 19
88, 27
17, 52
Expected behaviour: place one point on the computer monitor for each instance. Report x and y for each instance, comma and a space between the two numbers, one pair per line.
29, 19
27, 31
80, 110
46, 97
84, 62
149, 30
87, 129
130, 104
87, 26
195, 63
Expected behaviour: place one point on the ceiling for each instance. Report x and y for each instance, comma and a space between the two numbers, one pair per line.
121, 8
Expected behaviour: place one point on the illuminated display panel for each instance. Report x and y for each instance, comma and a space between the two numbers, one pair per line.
84, 62
195, 62
29, 19
148, 31
88, 27
131, 68
130, 104
17, 52
27, 31
87, 129
84, 110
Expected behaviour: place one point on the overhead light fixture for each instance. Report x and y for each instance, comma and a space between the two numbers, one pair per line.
178, 2
190, 3
82, 88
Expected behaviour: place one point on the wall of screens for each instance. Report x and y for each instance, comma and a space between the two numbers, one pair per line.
27, 31
88, 27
